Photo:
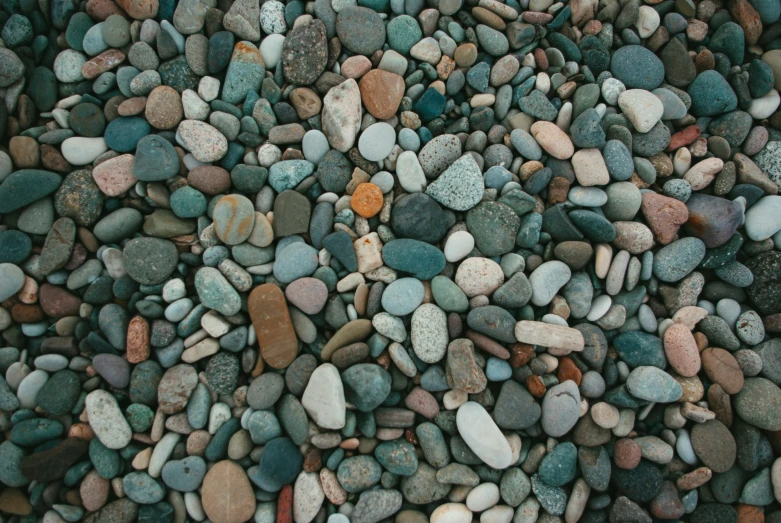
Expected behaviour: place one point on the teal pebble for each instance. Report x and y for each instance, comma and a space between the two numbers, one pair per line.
142, 488
187, 202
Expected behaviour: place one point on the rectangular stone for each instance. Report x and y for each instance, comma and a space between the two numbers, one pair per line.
549, 335
394, 418
368, 250
270, 318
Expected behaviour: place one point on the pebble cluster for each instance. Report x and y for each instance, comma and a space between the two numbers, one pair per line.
390, 260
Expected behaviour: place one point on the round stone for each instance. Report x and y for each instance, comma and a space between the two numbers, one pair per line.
377, 141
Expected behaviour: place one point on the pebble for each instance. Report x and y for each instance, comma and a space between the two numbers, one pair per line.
348, 258
107, 420
482, 436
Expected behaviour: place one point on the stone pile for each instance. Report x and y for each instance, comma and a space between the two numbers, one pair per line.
390, 260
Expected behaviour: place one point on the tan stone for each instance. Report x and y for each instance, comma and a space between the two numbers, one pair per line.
164, 107
227, 494
306, 102
271, 320
553, 140
381, 92
681, 350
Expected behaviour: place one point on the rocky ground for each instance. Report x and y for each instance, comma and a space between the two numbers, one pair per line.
393, 260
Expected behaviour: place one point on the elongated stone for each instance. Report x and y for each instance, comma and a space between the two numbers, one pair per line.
549, 335
274, 328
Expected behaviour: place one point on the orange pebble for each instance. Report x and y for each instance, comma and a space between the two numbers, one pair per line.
536, 386
285, 505
367, 200
569, 371
750, 514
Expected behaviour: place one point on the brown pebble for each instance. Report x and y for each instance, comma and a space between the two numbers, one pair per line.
164, 107
722, 368
227, 476
536, 387
664, 215
306, 102
105, 61
138, 348
465, 55
210, 179
132, 106
750, 514
356, 66
58, 302
626, 454
24, 152
52, 159
277, 339
714, 444
694, 479
520, 354
381, 93
568, 371
13, 501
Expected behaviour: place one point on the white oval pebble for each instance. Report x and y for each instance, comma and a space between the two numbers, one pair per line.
106, 419
458, 246
377, 141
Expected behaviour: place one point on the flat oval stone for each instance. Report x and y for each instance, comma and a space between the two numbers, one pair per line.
377, 141
403, 296
26, 186
757, 403
155, 159
142, 488
297, 260
227, 476
360, 30
420, 259
653, 384
215, 292
560, 409
676, 260
429, 334
12, 280
308, 294
184, 475
637, 67
150, 261
206, 143
547, 279
714, 445
398, 457
106, 419
234, 219
483, 437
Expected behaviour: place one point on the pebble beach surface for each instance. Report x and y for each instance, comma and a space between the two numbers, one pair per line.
409, 261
